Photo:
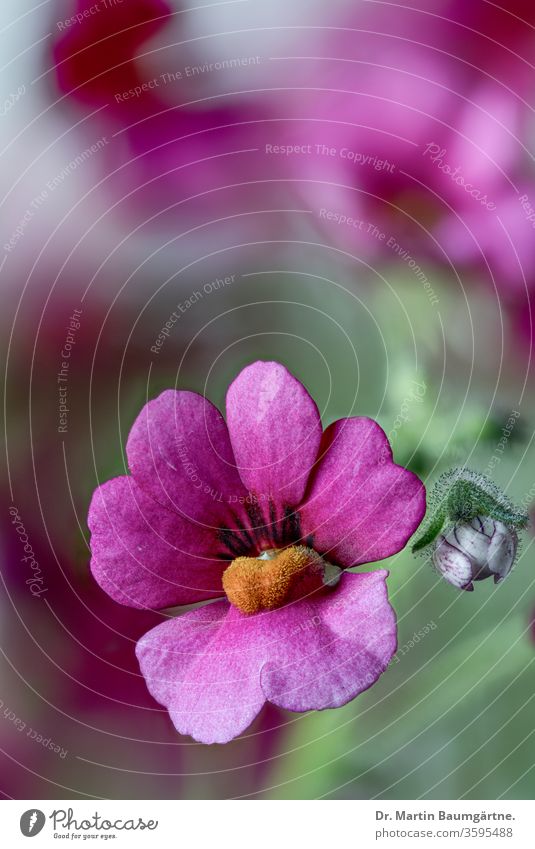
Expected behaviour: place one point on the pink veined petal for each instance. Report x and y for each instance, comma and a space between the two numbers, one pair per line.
179, 452
453, 564
275, 429
214, 668
205, 668
146, 556
360, 506
328, 649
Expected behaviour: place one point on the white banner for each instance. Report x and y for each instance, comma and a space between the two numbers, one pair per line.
259, 824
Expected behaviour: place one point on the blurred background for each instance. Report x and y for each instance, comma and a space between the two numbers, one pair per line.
348, 188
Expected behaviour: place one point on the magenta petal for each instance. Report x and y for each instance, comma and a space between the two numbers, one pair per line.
360, 506
179, 452
327, 650
213, 668
275, 429
146, 556
205, 668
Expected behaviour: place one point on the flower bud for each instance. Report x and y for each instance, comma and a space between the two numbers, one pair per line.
474, 550
471, 529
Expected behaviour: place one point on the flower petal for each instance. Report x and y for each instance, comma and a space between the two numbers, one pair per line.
213, 668
327, 650
360, 506
275, 429
205, 668
179, 452
453, 564
471, 540
502, 552
146, 556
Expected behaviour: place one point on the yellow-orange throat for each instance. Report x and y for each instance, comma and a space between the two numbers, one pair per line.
276, 577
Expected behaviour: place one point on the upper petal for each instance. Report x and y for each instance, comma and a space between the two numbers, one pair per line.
146, 556
179, 452
360, 506
275, 429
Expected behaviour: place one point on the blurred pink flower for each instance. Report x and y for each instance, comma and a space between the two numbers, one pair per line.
418, 122
269, 511
167, 145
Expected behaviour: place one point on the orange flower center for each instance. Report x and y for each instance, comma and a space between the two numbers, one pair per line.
276, 577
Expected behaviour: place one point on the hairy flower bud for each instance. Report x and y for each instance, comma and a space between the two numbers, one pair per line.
472, 551
471, 529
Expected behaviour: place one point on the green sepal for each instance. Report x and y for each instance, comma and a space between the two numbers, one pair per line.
431, 532
468, 499
459, 496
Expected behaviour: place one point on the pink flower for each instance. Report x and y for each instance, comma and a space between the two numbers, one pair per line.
424, 142
168, 146
271, 511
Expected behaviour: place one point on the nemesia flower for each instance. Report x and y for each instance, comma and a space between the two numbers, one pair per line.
265, 513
